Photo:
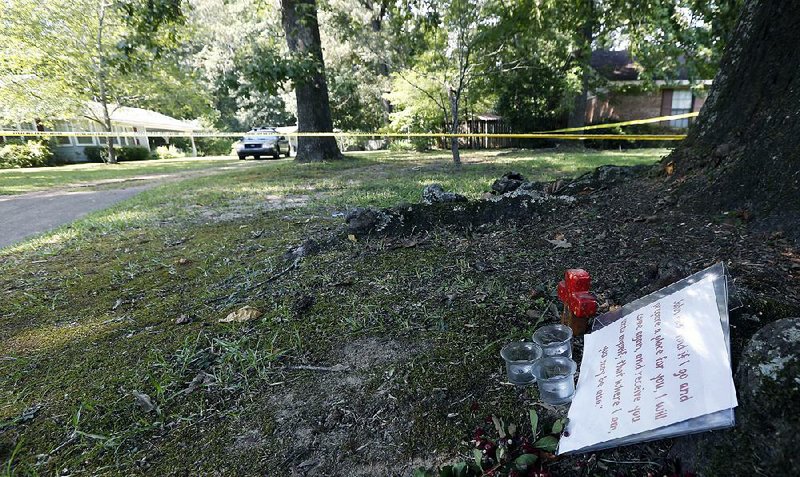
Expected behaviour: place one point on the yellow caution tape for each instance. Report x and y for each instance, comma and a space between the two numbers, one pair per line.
555, 134
636, 137
627, 123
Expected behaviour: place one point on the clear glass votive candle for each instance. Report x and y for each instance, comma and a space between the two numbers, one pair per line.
555, 376
555, 340
519, 357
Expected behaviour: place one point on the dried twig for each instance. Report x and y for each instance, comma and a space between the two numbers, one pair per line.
325, 369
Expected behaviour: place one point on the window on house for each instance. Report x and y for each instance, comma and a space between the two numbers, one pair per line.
63, 126
681, 104
114, 139
86, 126
128, 140
26, 126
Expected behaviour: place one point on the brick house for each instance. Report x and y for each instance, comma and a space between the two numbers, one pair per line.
627, 97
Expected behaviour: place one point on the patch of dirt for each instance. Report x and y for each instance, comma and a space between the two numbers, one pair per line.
345, 422
237, 212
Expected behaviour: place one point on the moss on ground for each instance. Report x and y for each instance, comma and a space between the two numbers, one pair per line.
87, 318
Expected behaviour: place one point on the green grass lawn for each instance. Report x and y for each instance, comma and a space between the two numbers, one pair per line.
87, 320
19, 181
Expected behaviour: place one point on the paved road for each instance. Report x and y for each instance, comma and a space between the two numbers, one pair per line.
25, 215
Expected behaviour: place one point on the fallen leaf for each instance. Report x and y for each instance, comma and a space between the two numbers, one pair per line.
560, 243
116, 304
202, 379
184, 261
144, 401
182, 320
533, 314
245, 313
352, 238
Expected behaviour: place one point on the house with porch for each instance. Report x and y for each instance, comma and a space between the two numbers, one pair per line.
627, 97
124, 119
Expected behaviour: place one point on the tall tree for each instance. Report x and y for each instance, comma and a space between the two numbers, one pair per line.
241, 67
743, 153
447, 36
58, 55
299, 19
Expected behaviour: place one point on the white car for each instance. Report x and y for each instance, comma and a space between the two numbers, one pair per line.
263, 142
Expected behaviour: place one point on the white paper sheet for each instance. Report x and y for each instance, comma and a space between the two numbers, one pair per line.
664, 363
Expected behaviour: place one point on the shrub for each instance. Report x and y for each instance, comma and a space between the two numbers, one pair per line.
655, 128
415, 144
133, 153
169, 152
215, 146
124, 153
181, 143
28, 154
95, 153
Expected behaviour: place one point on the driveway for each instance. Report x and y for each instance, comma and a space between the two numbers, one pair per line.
22, 216
25, 215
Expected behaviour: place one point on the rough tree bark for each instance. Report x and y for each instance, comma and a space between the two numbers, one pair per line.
101, 80
577, 117
455, 97
743, 152
299, 18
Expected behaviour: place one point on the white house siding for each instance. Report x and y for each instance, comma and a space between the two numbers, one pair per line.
123, 119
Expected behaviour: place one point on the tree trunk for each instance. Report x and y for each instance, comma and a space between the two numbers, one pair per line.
383, 67
577, 117
299, 18
454, 96
743, 152
101, 79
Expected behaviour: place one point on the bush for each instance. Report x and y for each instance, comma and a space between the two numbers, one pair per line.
214, 146
95, 153
169, 152
124, 153
133, 153
28, 154
655, 128
415, 144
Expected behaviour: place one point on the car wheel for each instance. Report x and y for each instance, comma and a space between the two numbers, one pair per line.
257, 157
276, 154
288, 150
241, 157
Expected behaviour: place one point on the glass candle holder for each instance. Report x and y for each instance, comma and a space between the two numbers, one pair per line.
519, 357
555, 376
555, 340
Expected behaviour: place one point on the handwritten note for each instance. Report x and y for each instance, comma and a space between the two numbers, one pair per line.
662, 364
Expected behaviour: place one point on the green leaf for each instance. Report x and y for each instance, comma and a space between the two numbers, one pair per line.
512, 430
534, 422
547, 443
446, 471
460, 469
478, 456
559, 425
501, 452
522, 462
